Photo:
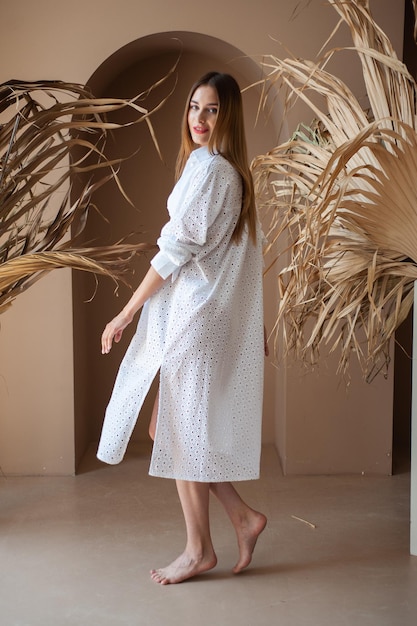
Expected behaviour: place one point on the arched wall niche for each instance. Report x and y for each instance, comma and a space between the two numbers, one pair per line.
147, 181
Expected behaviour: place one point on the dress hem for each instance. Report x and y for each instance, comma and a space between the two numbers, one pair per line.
205, 480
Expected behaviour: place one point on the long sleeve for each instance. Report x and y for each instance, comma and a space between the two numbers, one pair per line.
198, 201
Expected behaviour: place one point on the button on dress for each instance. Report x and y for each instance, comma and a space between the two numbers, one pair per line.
203, 331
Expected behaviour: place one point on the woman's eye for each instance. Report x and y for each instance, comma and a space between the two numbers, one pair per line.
195, 107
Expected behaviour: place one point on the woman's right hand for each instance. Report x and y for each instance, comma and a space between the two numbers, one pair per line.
114, 331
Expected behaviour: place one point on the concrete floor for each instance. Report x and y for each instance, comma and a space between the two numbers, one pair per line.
77, 551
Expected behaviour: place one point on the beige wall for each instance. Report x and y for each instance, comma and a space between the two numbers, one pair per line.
312, 422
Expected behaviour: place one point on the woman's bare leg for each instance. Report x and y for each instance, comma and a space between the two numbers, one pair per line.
247, 522
199, 555
154, 416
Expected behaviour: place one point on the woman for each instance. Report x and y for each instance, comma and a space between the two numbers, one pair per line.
201, 327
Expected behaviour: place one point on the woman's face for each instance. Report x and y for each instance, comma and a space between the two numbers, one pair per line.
202, 114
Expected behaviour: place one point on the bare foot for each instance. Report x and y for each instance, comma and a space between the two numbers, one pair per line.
247, 536
183, 568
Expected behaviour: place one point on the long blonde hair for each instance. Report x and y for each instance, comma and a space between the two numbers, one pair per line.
228, 138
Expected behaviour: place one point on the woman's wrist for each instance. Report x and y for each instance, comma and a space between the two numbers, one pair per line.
128, 313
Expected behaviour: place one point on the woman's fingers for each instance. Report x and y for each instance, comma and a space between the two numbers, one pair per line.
113, 331
106, 341
107, 338
118, 336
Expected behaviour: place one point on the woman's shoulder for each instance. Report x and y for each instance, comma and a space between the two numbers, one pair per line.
211, 166
204, 159
220, 165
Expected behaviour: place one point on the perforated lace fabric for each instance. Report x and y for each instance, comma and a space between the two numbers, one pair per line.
203, 330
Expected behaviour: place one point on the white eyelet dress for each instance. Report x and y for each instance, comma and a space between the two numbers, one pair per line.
203, 330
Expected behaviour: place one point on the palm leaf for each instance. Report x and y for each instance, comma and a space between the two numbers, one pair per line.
344, 195
52, 132
22, 271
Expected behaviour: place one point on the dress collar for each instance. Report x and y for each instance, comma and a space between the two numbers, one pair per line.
203, 153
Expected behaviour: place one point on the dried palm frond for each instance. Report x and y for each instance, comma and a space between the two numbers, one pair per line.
50, 132
344, 193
